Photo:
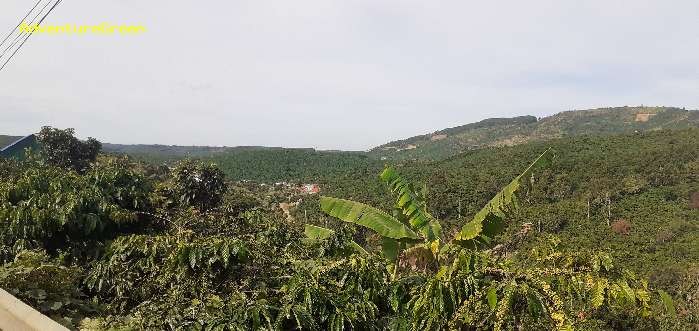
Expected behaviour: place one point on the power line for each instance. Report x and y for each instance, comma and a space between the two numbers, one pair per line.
29, 34
20, 22
19, 36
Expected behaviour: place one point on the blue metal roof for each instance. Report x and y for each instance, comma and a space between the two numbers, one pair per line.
17, 148
19, 141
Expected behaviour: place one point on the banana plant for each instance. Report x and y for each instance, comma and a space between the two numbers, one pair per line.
490, 220
413, 229
410, 226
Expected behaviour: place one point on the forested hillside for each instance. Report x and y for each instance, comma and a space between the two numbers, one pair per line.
598, 233
505, 132
628, 195
642, 180
264, 164
162, 153
283, 164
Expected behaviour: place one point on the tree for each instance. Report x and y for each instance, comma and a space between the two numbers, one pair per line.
61, 148
198, 184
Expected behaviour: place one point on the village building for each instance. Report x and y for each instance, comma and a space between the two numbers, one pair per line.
18, 149
309, 188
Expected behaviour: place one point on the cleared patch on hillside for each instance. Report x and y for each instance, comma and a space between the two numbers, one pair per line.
694, 200
644, 117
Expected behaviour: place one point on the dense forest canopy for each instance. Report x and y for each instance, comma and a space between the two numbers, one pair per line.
603, 237
272, 164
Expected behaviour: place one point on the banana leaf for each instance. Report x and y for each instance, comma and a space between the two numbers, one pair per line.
411, 205
370, 217
490, 220
319, 233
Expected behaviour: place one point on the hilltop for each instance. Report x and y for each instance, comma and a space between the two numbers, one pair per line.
513, 131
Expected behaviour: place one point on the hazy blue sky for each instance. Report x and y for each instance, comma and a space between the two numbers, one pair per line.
341, 74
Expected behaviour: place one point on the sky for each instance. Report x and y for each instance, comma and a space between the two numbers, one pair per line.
340, 74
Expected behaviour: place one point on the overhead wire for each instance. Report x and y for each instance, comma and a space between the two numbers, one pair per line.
20, 22
29, 34
22, 33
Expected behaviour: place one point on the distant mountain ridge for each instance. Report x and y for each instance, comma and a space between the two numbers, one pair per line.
174, 152
448, 142
513, 131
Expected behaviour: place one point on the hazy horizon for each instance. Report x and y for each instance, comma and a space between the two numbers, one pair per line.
338, 149
340, 75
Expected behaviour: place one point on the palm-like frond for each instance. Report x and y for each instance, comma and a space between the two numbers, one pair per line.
314, 232
317, 232
370, 217
411, 205
489, 221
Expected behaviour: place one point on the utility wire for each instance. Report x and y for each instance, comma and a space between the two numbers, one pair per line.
29, 35
19, 36
20, 22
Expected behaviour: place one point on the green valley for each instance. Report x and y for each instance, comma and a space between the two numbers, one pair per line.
601, 236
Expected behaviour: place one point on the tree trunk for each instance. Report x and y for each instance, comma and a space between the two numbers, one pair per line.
609, 210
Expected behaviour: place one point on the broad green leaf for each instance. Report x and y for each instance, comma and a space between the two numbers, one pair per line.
668, 303
627, 291
370, 217
535, 303
317, 232
492, 297
390, 248
489, 221
411, 204
358, 248
597, 293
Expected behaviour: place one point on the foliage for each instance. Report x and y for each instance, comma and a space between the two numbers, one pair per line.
50, 287
50, 207
411, 217
542, 289
62, 149
162, 264
262, 164
197, 184
412, 205
334, 243
136, 268
375, 219
489, 221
